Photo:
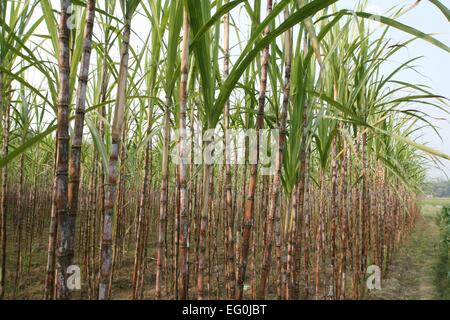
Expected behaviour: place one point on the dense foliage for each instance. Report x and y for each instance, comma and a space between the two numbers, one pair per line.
96, 108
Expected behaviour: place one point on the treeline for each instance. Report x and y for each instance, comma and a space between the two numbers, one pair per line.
439, 188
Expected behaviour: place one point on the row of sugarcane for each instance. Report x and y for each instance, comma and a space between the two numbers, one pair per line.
347, 168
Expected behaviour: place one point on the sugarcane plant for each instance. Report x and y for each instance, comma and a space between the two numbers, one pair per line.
138, 153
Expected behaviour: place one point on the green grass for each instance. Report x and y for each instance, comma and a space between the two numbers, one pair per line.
435, 201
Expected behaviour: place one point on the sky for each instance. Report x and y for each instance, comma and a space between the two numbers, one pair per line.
433, 68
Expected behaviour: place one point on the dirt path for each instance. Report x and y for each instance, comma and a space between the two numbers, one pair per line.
420, 270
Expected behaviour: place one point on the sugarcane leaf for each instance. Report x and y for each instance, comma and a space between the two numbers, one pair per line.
444, 9
400, 26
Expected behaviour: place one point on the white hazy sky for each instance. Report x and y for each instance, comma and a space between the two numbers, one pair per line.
434, 66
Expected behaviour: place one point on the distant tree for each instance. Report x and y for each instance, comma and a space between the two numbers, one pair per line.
438, 188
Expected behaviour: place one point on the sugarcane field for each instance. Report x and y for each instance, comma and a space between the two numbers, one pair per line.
232, 150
